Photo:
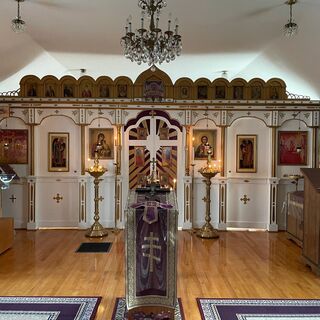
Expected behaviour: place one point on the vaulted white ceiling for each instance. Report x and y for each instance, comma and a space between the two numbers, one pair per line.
243, 37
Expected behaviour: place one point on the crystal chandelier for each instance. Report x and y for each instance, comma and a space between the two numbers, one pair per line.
18, 25
291, 28
151, 46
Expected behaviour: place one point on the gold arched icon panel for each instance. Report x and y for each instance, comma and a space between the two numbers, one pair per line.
158, 83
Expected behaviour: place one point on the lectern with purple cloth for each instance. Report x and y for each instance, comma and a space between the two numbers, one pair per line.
151, 281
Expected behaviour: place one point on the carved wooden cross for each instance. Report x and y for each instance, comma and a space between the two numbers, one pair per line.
245, 199
13, 198
58, 198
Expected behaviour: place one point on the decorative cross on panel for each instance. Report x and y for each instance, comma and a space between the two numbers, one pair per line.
152, 113
58, 198
13, 198
245, 199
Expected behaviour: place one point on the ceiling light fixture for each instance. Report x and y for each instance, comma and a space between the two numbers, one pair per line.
18, 25
151, 45
291, 28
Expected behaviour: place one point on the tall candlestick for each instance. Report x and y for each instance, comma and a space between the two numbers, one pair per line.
192, 156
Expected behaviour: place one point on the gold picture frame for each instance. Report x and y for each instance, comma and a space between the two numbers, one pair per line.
102, 141
14, 146
292, 148
203, 141
246, 153
58, 151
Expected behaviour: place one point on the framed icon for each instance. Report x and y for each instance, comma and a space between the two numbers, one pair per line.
204, 140
58, 156
102, 141
292, 148
13, 146
142, 133
246, 153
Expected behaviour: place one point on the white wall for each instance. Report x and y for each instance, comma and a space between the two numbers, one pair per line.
249, 126
57, 124
254, 213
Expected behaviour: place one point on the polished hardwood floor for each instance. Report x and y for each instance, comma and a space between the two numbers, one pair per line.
237, 265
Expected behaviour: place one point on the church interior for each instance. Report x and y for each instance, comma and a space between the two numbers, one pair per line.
214, 143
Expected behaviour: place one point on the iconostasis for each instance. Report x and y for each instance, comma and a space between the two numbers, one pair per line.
250, 131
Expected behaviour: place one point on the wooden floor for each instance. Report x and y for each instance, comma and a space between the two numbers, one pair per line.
238, 265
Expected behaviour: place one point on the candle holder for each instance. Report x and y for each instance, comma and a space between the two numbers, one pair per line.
96, 171
209, 171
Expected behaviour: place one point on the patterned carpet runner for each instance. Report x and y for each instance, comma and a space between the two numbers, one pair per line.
48, 308
258, 309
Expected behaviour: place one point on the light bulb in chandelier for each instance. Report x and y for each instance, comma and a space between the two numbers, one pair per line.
17, 24
290, 29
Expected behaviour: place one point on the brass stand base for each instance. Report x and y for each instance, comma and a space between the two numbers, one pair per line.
207, 232
96, 231
148, 311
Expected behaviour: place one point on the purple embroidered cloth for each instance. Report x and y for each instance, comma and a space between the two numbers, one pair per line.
151, 209
151, 245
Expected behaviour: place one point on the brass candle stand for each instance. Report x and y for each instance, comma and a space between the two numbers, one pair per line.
207, 231
96, 171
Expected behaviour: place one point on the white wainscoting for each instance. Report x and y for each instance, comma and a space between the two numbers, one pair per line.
253, 214
15, 203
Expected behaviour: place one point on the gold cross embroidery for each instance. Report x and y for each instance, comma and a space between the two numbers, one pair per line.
151, 246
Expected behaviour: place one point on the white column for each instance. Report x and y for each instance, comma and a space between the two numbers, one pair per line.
222, 225
32, 223
272, 224
188, 203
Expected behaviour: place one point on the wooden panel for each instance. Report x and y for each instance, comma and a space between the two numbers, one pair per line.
6, 234
295, 216
311, 223
292, 225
